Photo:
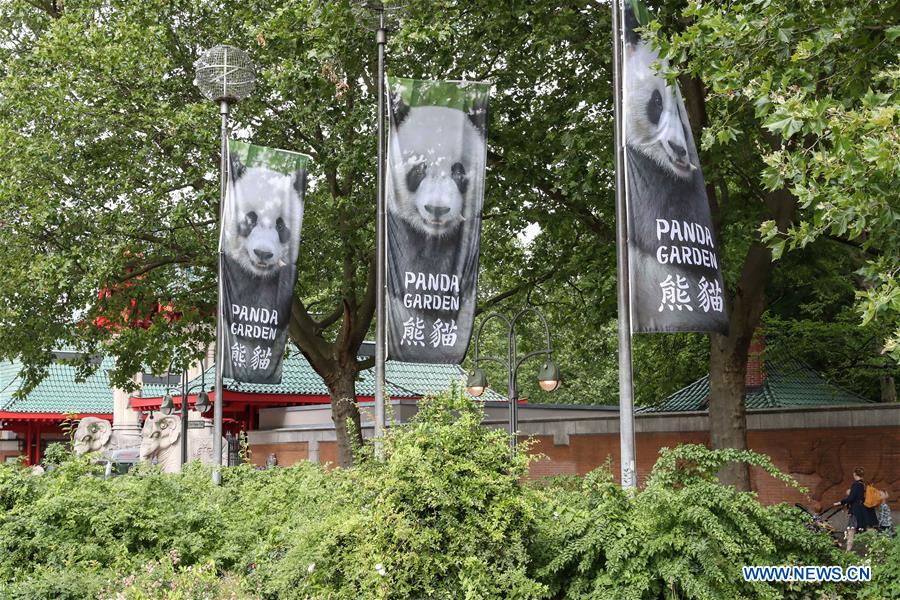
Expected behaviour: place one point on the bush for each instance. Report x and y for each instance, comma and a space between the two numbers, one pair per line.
166, 579
444, 516
682, 536
69, 532
884, 555
448, 514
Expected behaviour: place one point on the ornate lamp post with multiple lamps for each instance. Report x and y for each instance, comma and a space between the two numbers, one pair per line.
167, 405
548, 376
226, 75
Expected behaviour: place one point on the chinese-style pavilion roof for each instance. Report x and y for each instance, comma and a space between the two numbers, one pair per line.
790, 383
60, 392
404, 380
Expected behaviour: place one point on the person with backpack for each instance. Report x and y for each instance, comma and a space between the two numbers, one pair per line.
862, 517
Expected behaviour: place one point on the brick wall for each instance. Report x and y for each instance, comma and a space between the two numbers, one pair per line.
755, 375
328, 453
822, 460
586, 452
818, 447
287, 453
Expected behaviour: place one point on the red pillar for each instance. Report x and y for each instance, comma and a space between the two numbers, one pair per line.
37, 445
28, 444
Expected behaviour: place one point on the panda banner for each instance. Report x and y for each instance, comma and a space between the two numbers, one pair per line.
675, 278
259, 244
435, 191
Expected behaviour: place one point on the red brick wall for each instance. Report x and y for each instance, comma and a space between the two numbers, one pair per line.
328, 453
4, 455
287, 453
822, 460
589, 451
756, 360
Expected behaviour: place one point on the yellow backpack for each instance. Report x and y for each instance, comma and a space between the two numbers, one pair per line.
873, 497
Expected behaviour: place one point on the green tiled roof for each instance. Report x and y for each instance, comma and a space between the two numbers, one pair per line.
59, 392
404, 380
789, 383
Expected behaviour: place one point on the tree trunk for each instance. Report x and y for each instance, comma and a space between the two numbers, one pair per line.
727, 423
728, 355
345, 414
337, 362
888, 389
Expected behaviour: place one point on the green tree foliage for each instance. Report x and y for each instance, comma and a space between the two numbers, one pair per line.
743, 69
109, 157
813, 316
812, 89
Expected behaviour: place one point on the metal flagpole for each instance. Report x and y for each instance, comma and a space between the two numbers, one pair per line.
626, 385
380, 39
184, 418
220, 350
227, 75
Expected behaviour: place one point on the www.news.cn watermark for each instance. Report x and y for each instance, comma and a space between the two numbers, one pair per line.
809, 574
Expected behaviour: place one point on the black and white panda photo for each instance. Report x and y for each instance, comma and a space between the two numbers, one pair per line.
435, 188
675, 274
260, 244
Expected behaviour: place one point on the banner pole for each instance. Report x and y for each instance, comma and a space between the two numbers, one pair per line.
220, 350
626, 385
380, 39
184, 417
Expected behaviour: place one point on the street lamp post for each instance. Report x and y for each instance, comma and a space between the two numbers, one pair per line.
167, 407
548, 376
377, 14
226, 75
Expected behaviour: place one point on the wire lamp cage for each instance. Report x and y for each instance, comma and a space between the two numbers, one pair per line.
225, 74
375, 15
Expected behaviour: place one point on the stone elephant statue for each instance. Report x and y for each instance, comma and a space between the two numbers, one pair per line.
159, 442
92, 435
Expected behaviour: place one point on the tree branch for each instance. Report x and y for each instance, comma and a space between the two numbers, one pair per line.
302, 329
48, 6
366, 310
366, 363
329, 320
528, 283
154, 265
581, 212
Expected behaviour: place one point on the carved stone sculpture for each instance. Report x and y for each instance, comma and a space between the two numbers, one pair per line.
159, 442
92, 435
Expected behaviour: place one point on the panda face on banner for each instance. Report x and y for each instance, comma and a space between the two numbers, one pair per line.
439, 150
266, 212
435, 192
260, 244
655, 125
